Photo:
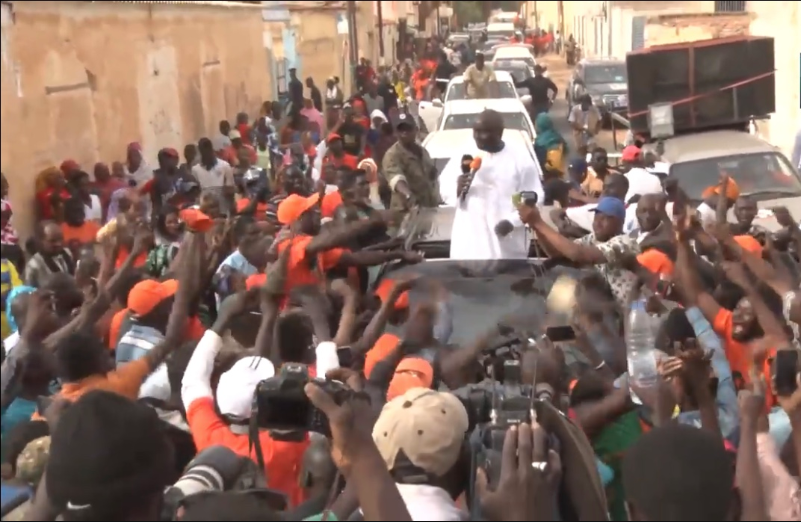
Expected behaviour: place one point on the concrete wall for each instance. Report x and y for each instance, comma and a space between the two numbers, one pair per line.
672, 29
82, 79
322, 52
782, 21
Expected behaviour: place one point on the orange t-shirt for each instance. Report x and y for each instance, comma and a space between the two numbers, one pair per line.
304, 271
330, 203
125, 380
384, 346
122, 255
740, 356
114, 328
83, 234
282, 460
261, 208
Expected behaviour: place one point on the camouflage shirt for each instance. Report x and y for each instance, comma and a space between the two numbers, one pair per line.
415, 167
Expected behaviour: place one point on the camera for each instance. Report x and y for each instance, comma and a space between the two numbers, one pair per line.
280, 404
214, 470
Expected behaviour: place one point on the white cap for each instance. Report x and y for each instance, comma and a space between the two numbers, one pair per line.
236, 386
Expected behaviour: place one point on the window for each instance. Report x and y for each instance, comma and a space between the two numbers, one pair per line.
761, 175
283, 67
503, 89
511, 120
612, 73
730, 6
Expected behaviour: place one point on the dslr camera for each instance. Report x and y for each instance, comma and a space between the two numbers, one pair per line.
280, 404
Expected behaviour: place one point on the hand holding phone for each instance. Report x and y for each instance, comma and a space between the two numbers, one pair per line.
785, 372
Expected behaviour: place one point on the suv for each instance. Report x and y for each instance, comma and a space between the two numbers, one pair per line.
606, 83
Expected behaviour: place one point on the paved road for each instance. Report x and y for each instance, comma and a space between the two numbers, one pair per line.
560, 72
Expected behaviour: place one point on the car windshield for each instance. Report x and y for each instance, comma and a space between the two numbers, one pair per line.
440, 163
606, 73
511, 121
502, 89
482, 293
765, 176
517, 68
500, 35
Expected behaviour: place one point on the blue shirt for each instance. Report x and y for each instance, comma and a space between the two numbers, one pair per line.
726, 399
236, 261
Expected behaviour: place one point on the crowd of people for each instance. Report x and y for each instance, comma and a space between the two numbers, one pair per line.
205, 339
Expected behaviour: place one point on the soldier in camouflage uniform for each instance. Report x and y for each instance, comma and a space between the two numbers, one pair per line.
409, 169
31, 464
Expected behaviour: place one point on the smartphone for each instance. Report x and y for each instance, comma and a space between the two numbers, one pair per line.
345, 355
785, 372
528, 198
558, 334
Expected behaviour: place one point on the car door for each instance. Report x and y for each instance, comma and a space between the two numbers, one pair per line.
430, 112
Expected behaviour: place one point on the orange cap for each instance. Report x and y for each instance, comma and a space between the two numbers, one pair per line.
196, 220
656, 262
475, 164
332, 137
295, 206
750, 244
412, 372
732, 190
69, 166
147, 294
630, 153
384, 289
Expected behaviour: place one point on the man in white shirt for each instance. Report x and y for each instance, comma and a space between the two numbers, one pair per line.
211, 171
586, 120
136, 168
420, 435
486, 225
641, 181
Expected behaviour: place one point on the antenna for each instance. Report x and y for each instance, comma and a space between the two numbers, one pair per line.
494, 397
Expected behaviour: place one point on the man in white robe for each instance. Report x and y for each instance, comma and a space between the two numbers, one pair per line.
486, 225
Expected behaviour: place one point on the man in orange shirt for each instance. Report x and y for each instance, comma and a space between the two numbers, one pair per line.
313, 254
336, 154
234, 399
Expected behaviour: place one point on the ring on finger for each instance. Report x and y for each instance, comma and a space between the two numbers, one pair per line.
540, 466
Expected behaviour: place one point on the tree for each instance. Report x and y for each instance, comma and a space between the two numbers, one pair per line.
468, 12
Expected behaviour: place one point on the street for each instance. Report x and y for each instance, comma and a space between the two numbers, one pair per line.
559, 72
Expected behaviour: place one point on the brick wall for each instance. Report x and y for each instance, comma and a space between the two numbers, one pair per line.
672, 29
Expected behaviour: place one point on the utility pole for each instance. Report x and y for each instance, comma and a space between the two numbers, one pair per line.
380, 14
561, 10
353, 41
536, 16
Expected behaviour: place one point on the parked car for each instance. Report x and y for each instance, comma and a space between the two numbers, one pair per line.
761, 171
606, 83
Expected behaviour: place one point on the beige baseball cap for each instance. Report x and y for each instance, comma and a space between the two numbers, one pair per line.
428, 426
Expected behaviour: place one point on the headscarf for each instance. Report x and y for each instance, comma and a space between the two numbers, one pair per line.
547, 136
377, 113
45, 178
13, 294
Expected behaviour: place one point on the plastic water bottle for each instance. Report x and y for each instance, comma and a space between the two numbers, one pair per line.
640, 347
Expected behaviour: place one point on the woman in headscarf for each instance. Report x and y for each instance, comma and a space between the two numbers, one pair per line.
549, 146
51, 191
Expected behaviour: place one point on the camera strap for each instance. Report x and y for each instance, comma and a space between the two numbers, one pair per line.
476, 451
254, 443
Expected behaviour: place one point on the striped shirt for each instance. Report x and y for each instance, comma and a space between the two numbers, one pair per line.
272, 208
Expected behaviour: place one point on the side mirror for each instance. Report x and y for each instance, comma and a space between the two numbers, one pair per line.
526, 99
436, 102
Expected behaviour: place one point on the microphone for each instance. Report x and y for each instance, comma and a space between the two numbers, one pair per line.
469, 166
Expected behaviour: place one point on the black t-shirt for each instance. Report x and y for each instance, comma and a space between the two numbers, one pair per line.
351, 133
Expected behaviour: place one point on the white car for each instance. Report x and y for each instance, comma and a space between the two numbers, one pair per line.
430, 111
515, 53
442, 145
463, 114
